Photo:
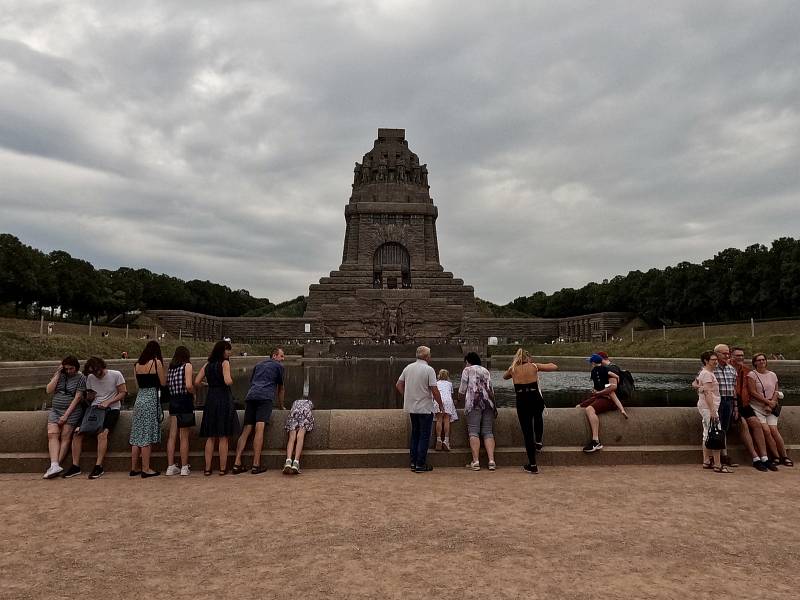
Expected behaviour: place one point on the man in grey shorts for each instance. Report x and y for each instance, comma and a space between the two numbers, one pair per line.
417, 383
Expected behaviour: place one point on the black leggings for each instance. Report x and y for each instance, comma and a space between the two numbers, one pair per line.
530, 411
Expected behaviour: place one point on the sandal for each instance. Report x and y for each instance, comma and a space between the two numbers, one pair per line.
223, 472
722, 469
708, 465
207, 472
238, 469
258, 469
786, 461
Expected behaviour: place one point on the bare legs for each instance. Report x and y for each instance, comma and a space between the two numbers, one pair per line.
58, 441
475, 447
594, 422
102, 448
222, 443
778, 440
258, 443
174, 433
294, 447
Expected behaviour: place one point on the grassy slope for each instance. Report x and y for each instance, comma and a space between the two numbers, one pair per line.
27, 346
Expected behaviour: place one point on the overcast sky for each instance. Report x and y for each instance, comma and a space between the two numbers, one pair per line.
566, 142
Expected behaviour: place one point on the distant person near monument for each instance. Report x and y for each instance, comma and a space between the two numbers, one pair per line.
266, 386
417, 384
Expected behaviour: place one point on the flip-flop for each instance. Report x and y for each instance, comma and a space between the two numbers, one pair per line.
722, 469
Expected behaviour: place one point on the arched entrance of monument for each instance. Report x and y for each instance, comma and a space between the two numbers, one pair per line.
391, 267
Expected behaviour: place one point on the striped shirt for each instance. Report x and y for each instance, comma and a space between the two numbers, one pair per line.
726, 376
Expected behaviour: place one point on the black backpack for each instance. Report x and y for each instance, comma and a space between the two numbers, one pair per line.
626, 386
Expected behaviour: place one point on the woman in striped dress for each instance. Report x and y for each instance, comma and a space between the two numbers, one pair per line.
68, 386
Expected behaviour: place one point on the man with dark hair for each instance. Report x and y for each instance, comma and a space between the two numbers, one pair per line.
106, 389
603, 399
266, 386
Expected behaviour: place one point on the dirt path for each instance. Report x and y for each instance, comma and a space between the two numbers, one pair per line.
583, 533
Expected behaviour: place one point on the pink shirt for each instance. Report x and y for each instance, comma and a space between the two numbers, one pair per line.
704, 378
765, 384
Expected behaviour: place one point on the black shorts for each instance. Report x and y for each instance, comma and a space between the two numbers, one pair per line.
110, 420
257, 411
745, 412
182, 407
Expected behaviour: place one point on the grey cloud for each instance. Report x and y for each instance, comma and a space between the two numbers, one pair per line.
566, 142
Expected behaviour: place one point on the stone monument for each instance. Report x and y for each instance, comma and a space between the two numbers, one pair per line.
390, 285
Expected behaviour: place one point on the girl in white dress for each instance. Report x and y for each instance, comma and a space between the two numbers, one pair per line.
443, 419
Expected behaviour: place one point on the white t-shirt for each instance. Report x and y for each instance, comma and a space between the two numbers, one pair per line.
419, 377
707, 377
105, 388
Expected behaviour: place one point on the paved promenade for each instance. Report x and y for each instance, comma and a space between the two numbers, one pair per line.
641, 532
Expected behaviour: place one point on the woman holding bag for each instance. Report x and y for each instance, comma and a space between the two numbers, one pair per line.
764, 397
708, 405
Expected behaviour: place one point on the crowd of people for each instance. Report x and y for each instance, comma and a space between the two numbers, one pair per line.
731, 394
88, 403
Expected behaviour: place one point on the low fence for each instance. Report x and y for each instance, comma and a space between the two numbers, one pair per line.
56, 327
720, 330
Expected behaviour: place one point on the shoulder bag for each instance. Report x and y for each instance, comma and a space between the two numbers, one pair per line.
716, 437
93, 420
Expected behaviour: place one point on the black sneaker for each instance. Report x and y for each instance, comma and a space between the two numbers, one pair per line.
72, 471
538, 446
592, 446
97, 472
134, 473
771, 466
760, 466
532, 469
423, 468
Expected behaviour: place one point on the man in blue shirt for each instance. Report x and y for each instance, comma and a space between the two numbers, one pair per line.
266, 386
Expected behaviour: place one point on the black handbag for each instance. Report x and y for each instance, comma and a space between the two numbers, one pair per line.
715, 440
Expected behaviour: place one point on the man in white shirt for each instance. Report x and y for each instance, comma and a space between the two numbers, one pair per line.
106, 389
417, 383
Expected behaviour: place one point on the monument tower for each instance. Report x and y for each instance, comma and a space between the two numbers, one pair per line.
390, 284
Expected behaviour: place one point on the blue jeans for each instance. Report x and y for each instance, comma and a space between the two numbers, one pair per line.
726, 404
421, 425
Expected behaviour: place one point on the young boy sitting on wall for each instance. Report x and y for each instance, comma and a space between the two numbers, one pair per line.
603, 399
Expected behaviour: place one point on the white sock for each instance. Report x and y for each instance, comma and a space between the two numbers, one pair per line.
446, 439
53, 464
765, 459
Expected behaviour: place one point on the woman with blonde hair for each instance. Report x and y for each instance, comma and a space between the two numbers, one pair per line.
524, 372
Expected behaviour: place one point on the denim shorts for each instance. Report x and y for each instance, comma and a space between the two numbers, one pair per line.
480, 423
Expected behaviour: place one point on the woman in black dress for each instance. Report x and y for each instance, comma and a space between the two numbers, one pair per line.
220, 420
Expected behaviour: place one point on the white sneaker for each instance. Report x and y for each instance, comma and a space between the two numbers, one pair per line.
475, 466
296, 467
185, 471
173, 470
287, 466
52, 472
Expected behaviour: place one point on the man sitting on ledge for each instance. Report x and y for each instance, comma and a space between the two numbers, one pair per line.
602, 400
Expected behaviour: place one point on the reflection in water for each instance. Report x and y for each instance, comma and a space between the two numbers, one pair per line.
366, 383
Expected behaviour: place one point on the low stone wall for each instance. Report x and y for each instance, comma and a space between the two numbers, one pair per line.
379, 438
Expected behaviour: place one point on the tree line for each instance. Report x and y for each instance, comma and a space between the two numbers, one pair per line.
757, 282
32, 279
